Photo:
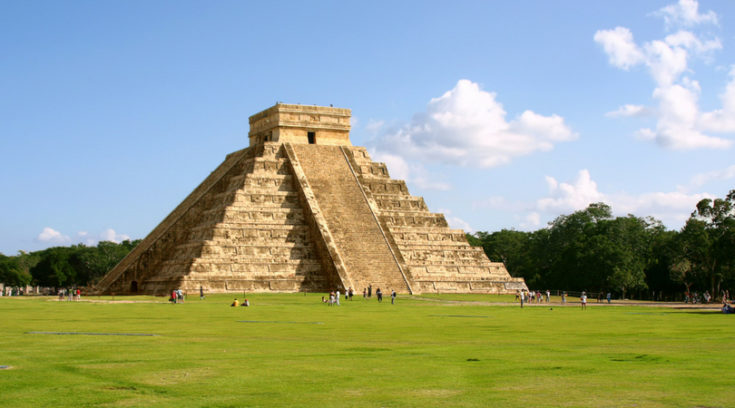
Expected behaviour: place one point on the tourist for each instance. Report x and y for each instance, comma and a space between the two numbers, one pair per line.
370, 290
337, 297
350, 293
727, 308
583, 300
379, 294
245, 303
173, 296
235, 303
180, 295
331, 298
518, 294
609, 296
201, 293
392, 296
364, 293
548, 296
523, 297
564, 297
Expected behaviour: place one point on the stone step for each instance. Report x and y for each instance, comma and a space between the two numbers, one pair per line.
357, 235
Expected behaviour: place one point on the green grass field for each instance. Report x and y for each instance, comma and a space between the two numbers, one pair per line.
291, 350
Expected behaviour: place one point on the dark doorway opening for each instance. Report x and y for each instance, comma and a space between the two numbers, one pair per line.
312, 137
134, 286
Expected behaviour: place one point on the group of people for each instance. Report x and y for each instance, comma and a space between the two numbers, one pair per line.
71, 294
537, 297
532, 296
8, 291
177, 296
705, 297
236, 303
367, 292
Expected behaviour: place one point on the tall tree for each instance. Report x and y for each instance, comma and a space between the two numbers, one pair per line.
708, 240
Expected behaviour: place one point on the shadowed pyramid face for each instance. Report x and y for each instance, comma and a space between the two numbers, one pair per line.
306, 211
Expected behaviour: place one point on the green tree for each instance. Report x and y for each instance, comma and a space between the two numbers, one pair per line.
54, 269
708, 243
12, 272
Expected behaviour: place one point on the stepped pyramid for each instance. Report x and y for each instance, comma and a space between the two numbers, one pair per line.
301, 209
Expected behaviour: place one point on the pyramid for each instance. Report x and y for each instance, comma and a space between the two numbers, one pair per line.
303, 210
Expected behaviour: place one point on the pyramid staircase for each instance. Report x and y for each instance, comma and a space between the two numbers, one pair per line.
285, 216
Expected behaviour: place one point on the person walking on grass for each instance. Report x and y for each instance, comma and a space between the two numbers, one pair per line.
583, 300
392, 296
523, 296
337, 297
379, 294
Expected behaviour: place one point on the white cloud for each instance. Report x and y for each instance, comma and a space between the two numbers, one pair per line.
413, 173
110, 235
566, 197
374, 125
467, 126
703, 178
51, 236
722, 120
687, 40
456, 222
665, 62
670, 207
679, 123
629, 111
531, 221
685, 13
620, 47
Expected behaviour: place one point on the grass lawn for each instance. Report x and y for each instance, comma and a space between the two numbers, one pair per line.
291, 350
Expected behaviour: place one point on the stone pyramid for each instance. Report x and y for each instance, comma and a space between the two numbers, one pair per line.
301, 209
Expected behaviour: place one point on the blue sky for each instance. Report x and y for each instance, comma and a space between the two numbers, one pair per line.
501, 114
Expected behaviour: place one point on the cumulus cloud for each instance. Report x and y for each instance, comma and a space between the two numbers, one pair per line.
685, 13
413, 173
620, 48
679, 122
467, 126
722, 120
701, 179
456, 222
531, 221
671, 207
51, 236
565, 197
110, 235
629, 111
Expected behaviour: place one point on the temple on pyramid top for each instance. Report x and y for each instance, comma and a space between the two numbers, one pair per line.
302, 124
303, 210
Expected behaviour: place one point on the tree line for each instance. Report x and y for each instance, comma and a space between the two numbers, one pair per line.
587, 250
63, 267
590, 250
